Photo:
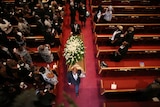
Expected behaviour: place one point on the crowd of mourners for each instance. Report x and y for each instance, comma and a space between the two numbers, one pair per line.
17, 69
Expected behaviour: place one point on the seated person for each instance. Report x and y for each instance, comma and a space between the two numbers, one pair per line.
117, 36
107, 15
152, 90
97, 16
45, 99
120, 53
98, 13
48, 76
45, 52
129, 35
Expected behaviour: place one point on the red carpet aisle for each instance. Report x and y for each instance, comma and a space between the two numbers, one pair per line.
89, 95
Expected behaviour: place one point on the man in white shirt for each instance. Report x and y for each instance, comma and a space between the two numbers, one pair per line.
74, 78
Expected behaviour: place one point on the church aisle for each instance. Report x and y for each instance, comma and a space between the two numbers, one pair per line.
89, 95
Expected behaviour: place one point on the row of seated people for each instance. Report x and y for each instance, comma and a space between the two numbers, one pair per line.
18, 77
45, 22
138, 39
125, 2
12, 13
105, 39
46, 29
107, 15
139, 9
120, 46
35, 41
44, 80
105, 21
131, 18
140, 28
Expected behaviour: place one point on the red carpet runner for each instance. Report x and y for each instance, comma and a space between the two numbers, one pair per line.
89, 95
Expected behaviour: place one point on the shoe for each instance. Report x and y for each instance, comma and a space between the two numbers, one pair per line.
103, 64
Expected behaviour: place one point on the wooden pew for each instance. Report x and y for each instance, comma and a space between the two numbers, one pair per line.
134, 49
8, 1
122, 2
133, 18
125, 84
38, 39
121, 9
151, 64
106, 37
108, 28
131, 104
54, 50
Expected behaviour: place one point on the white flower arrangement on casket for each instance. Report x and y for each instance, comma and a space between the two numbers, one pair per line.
74, 50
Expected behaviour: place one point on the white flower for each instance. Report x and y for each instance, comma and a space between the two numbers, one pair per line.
74, 50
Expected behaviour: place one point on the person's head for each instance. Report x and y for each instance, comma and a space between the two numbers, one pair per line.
46, 16
38, 5
53, 3
130, 29
74, 70
106, 9
157, 80
75, 22
125, 43
120, 27
42, 70
21, 19
110, 8
41, 47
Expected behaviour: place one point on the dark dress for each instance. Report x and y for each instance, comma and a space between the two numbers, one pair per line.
122, 50
82, 13
72, 14
129, 38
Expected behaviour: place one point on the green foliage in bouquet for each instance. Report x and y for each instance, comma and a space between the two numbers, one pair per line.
74, 50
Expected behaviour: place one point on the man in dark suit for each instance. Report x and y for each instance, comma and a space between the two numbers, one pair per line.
75, 28
73, 77
72, 13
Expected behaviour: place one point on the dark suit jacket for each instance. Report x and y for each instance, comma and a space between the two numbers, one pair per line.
71, 78
76, 31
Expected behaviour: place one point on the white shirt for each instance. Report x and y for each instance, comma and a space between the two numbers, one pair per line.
75, 27
114, 34
99, 15
75, 76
